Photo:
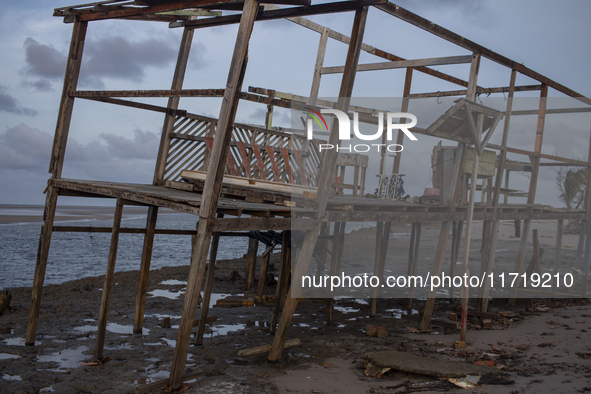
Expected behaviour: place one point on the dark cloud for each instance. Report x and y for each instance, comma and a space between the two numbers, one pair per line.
27, 150
44, 64
117, 57
477, 12
10, 104
114, 57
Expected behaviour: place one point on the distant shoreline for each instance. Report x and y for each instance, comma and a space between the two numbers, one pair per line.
22, 214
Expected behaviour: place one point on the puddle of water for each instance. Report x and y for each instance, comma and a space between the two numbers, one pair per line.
7, 356
49, 389
67, 359
14, 378
303, 325
112, 327
225, 329
345, 309
154, 344
215, 297
158, 375
18, 341
397, 313
172, 282
169, 342
161, 316
89, 320
362, 301
124, 346
172, 295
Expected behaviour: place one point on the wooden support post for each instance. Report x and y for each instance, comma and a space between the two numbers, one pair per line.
263, 273
108, 284
321, 257
213, 255
212, 188
142, 287
324, 183
64, 117
437, 266
415, 261
404, 108
319, 64
578, 258
517, 225
251, 263
559, 228
455, 249
173, 104
531, 196
536, 267
483, 303
282, 282
41, 263
588, 222
334, 263
381, 253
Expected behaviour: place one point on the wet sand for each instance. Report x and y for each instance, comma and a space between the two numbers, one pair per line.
328, 361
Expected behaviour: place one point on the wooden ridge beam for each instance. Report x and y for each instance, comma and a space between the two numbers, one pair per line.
281, 13
148, 93
454, 38
438, 61
525, 88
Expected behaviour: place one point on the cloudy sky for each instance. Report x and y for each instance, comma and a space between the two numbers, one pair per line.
120, 144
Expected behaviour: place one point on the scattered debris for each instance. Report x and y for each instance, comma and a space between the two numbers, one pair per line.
165, 323
467, 382
234, 301
266, 348
375, 371
459, 344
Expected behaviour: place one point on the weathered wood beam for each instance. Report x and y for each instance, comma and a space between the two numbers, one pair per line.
525, 88
134, 104
454, 38
64, 117
175, 92
140, 300
438, 61
280, 13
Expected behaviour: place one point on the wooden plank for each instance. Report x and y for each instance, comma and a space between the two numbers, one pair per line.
263, 272
266, 348
108, 284
251, 224
524, 88
282, 281
454, 38
140, 301
64, 117
437, 61
251, 183
318, 65
41, 263
404, 108
173, 104
456, 233
126, 12
414, 259
175, 91
134, 104
271, 156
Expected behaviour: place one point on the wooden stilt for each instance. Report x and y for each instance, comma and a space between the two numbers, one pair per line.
381, 254
321, 256
212, 188
559, 228
282, 283
378, 249
487, 228
520, 259
263, 274
455, 249
483, 303
213, 254
140, 300
438, 264
324, 184
415, 261
333, 263
108, 284
251, 262
41, 264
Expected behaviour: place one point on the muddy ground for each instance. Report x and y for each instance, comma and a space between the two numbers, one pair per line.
536, 349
